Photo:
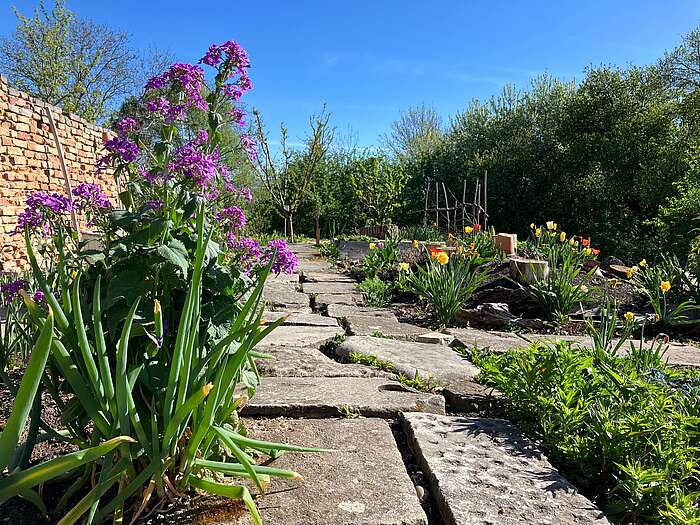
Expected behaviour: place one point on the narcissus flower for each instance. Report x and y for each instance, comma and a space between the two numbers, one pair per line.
629, 317
532, 225
665, 286
443, 258
632, 271
434, 253
372, 246
468, 229
404, 266
562, 236
538, 232
551, 225
415, 244
643, 263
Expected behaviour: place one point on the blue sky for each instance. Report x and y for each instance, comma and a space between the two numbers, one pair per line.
369, 60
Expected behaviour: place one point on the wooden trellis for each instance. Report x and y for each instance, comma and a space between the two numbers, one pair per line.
454, 218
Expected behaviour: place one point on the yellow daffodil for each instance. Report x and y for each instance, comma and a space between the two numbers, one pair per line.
643, 263
572, 241
532, 225
538, 232
587, 251
629, 317
665, 286
468, 229
632, 271
613, 283
372, 246
404, 266
416, 244
551, 225
443, 258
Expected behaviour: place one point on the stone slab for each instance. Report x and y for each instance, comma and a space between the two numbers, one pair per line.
301, 335
327, 277
300, 319
284, 278
484, 471
340, 311
678, 354
436, 338
473, 398
386, 327
429, 360
323, 300
284, 295
329, 288
356, 485
320, 397
294, 361
311, 266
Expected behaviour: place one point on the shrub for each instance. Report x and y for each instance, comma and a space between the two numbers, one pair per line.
382, 255
151, 336
446, 283
623, 429
421, 233
375, 292
330, 250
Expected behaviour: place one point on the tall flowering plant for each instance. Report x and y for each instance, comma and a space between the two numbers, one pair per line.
150, 330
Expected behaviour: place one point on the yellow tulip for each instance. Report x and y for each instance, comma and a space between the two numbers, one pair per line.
404, 266
587, 251
443, 258
372, 246
551, 225
643, 263
562, 236
665, 286
468, 229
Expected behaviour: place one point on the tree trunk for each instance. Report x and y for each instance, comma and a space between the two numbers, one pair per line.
290, 227
318, 228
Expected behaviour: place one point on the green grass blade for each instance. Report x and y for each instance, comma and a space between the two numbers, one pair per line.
83, 345
122, 379
100, 345
237, 469
26, 393
229, 491
267, 445
242, 457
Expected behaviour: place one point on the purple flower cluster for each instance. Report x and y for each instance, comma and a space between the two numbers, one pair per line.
189, 79
120, 149
91, 196
250, 145
9, 290
238, 116
231, 218
190, 162
284, 259
127, 125
154, 204
40, 205
246, 251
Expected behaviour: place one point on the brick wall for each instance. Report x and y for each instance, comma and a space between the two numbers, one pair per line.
29, 161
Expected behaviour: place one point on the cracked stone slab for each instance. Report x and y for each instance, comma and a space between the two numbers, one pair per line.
324, 300
306, 265
382, 326
284, 278
345, 487
284, 295
326, 277
484, 471
436, 338
340, 311
321, 397
678, 354
294, 361
301, 335
429, 360
329, 288
300, 319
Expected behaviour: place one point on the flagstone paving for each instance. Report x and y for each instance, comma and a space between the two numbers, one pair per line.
475, 470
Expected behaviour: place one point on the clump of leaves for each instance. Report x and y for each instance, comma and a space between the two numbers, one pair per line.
370, 360
330, 250
375, 292
417, 382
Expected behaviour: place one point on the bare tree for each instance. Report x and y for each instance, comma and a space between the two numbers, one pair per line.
287, 178
73, 63
417, 128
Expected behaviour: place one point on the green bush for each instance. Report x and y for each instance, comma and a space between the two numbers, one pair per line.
382, 256
623, 429
330, 250
375, 292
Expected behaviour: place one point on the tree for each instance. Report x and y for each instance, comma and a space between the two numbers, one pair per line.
69, 62
377, 185
288, 179
417, 129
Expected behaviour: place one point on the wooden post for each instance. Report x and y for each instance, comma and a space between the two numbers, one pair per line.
318, 227
437, 207
464, 199
486, 214
425, 207
64, 170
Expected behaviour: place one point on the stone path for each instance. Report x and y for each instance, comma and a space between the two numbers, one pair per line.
399, 458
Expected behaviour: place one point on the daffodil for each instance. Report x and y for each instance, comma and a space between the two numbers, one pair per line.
538, 232
562, 236
613, 283
532, 225
572, 242
416, 244
643, 263
665, 286
468, 229
629, 317
551, 225
404, 266
372, 246
443, 258
632, 271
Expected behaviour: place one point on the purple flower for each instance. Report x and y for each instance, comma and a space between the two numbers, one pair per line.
246, 251
38, 296
250, 146
119, 149
127, 125
8, 291
235, 56
154, 204
284, 259
195, 164
232, 218
238, 115
246, 194
188, 79
39, 207
91, 196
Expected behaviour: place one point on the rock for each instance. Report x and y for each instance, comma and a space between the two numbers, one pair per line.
329, 288
295, 361
348, 486
323, 300
619, 270
300, 319
528, 270
429, 360
320, 397
382, 327
610, 261
435, 338
485, 471
517, 299
341, 311
474, 398
492, 340
284, 278
301, 335
507, 242
284, 295
326, 277
494, 315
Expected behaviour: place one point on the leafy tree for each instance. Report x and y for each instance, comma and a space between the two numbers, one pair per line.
377, 185
288, 179
417, 129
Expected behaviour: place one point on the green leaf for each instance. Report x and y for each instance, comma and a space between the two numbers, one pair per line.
175, 253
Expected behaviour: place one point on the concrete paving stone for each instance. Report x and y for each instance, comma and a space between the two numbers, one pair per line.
300, 319
329, 288
295, 361
323, 300
340, 311
484, 471
436, 338
321, 397
326, 277
347, 487
429, 360
678, 354
386, 327
284, 278
312, 266
284, 295
301, 335
473, 398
